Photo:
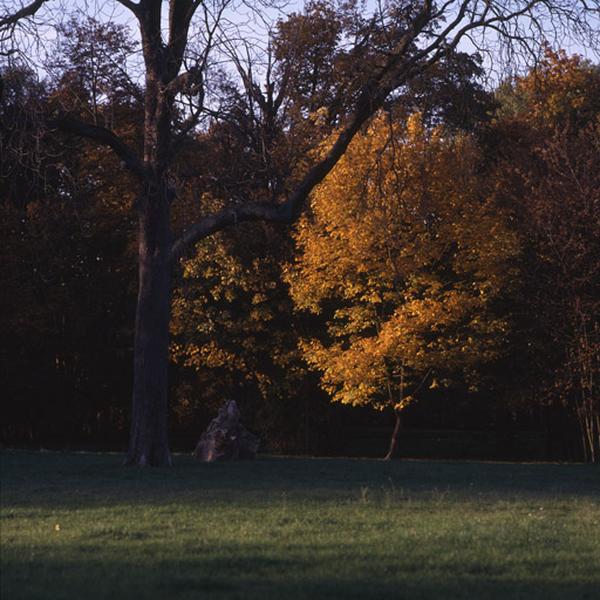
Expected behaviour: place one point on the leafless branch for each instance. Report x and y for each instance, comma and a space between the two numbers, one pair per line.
103, 136
27, 11
132, 6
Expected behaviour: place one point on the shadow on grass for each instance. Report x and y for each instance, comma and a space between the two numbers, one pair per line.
296, 528
245, 576
71, 480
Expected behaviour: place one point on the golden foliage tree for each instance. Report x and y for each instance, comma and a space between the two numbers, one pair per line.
406, 259
232, 328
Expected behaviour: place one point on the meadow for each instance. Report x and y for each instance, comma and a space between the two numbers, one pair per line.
77, 525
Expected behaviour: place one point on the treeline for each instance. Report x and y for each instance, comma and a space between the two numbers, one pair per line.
446, 273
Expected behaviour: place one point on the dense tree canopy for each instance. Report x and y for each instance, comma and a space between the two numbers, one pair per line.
549, 166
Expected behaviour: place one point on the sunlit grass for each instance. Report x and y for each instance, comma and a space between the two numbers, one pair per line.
82, 526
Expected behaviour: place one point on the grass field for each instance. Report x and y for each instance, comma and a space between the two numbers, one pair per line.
81, 526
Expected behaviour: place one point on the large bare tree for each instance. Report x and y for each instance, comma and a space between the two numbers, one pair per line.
402, 39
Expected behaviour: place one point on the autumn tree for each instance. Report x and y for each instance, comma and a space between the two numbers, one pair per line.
564, 209
562, 91
403, 40
406, 258
548, 174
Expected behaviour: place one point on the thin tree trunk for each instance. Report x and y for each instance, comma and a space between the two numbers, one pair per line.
394, 440
148, 445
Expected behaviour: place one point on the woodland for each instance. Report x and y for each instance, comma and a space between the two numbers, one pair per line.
378, 239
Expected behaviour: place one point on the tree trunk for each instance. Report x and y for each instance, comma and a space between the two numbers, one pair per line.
148, 445
394, 440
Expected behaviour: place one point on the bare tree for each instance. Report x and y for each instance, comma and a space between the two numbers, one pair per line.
11, 18
402, 40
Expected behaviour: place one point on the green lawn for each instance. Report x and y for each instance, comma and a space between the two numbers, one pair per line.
81, 526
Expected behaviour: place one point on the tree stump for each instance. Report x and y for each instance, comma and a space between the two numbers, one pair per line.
226, 438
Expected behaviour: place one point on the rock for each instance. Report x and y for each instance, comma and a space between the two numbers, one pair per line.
226, 438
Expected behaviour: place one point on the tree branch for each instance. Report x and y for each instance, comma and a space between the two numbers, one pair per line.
369, 101
403, 62
132, 6
277, 213
149, 13
180, 16
189, 82
285, 212
26, 11
103, 136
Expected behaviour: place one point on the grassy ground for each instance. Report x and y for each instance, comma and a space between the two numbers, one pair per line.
82, 526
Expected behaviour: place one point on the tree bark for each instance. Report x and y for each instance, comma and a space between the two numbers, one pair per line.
394, 439
148, 445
